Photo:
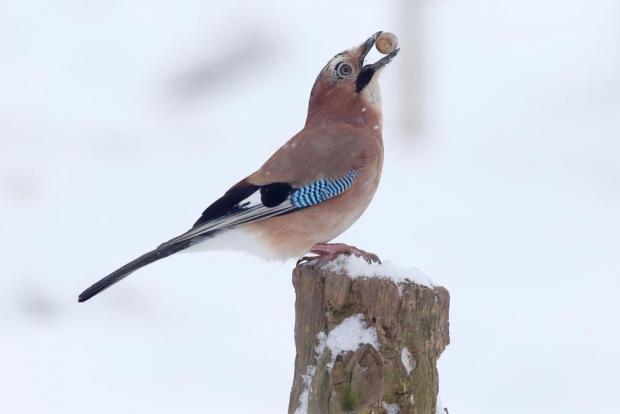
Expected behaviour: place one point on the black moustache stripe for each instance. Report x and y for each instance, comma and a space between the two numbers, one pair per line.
364, 79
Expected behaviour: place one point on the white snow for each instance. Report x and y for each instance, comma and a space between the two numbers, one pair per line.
322, 337
307, 377
355, 266
349, 335
346, 336
439, 409
303, 397
405, 357
310, 370
391, 408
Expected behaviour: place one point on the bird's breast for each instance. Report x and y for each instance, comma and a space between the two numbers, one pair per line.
294, 234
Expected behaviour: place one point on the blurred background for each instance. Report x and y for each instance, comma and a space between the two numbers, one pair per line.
121, 121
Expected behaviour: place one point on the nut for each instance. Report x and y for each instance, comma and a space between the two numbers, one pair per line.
386, 43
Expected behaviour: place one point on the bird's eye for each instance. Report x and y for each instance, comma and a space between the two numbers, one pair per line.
344, 70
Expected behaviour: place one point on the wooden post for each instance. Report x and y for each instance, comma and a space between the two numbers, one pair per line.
366, 344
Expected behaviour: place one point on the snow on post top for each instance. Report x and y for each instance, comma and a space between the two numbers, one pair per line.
355, 267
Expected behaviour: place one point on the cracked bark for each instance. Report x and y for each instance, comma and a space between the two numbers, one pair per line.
406, 316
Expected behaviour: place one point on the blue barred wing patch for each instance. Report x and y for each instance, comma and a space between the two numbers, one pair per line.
322, 190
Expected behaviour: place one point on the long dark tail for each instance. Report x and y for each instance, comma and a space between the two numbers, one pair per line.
161, 252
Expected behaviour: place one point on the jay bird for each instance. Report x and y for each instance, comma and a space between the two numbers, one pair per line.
311, 190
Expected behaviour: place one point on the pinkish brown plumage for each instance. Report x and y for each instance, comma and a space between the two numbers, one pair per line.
312, 189
325, 151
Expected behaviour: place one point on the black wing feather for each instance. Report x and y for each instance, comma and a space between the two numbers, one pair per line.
274, 194
228, 203
121, 273
231, 202
233, 207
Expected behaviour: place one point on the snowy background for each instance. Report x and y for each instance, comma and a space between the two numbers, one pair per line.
120, 121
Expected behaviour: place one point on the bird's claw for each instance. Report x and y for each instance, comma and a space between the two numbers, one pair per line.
367, 256
326, 252
306, 259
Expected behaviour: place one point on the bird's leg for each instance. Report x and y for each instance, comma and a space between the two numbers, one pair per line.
328, 251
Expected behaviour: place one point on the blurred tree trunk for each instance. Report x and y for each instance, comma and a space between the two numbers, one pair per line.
399, 375
413, 36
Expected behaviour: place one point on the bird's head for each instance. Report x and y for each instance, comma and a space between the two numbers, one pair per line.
346, 86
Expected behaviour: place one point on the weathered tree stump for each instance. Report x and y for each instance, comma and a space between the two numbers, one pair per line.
368, 338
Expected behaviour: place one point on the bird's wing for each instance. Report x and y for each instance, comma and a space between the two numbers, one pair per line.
309, 169
245, 203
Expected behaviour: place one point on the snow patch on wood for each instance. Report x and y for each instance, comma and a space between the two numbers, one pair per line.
390, 408
405, 358
348, 336
303, 398
355, 266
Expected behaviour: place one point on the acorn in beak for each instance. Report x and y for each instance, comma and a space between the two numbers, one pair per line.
368, 71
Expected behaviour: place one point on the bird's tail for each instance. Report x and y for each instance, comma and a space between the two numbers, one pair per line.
161, 252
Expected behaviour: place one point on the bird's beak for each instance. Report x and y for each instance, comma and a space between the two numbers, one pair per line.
366, 73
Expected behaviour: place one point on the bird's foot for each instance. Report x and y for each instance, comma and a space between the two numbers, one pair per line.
326, 252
